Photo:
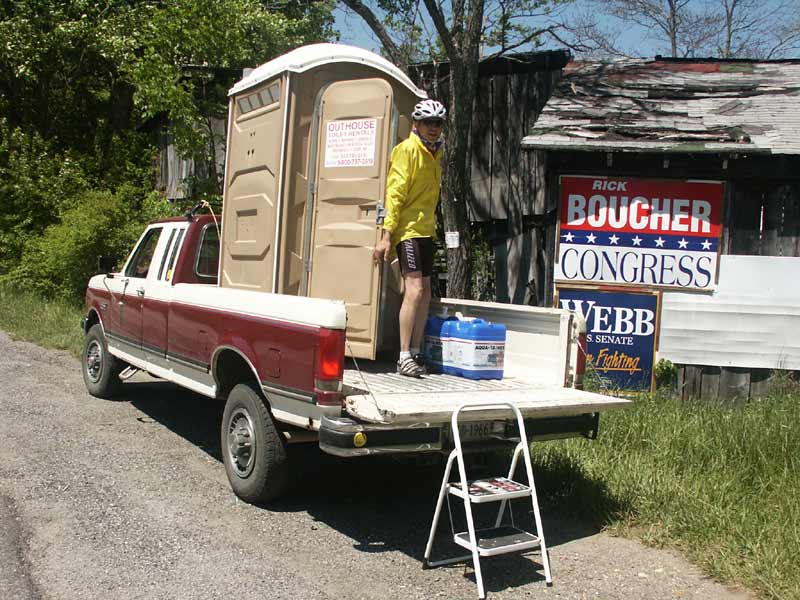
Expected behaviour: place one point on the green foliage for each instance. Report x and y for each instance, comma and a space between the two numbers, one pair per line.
84, 89
59, 263
178, 48
666, 375
719, 483
37, 185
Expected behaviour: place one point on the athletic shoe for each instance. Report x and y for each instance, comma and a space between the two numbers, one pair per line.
422, 362
409, 368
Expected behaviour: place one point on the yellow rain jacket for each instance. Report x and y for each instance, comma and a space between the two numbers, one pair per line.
412, 190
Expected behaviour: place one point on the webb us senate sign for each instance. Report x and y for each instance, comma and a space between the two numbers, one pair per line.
647, 232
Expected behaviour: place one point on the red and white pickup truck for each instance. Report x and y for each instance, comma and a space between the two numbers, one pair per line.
278, 362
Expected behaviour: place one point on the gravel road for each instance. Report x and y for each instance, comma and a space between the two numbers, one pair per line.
128, 499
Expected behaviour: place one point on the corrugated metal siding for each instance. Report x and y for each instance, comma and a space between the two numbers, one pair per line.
752, 319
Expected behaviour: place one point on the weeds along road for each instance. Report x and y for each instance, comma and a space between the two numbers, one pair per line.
128, 499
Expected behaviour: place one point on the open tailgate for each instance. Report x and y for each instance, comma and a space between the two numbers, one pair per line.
384, 397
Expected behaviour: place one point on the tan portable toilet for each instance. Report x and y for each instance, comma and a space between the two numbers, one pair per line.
310, 135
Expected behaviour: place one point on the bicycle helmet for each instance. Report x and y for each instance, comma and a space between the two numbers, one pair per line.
429, 109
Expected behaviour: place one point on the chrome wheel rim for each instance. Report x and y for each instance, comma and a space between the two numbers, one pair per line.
94, 361
241, 442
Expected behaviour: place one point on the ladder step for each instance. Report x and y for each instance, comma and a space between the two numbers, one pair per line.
492, 489
498, 540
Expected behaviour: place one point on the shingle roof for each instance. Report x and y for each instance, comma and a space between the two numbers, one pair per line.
674, 105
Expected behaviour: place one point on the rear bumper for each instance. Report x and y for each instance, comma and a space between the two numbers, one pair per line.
343, 436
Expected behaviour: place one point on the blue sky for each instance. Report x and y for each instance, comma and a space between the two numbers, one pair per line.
354, 31
636, 39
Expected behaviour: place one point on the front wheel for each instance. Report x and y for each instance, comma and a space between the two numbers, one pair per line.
253, 450
100, 369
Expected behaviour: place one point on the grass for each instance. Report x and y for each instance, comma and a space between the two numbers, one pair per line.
49, 323
721, 484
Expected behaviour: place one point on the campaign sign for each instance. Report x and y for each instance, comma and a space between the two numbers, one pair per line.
621, 333
650, 232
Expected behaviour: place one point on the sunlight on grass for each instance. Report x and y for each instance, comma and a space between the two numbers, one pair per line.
719, 483
49, 323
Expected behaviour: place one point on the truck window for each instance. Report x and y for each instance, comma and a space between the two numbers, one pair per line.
139, 265
207, 264
166, 253
173, 257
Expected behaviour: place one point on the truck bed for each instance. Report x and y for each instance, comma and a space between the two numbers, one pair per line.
375, 393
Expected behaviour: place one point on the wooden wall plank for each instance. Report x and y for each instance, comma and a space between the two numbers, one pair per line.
709, 386
502, 138
790, 232
743, 228
734, 385
759, 382
480, 208
692, 380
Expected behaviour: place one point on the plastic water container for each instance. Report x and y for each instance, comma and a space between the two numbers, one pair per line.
436, 343
475, 348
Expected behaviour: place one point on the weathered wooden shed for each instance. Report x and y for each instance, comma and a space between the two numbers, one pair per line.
733, 121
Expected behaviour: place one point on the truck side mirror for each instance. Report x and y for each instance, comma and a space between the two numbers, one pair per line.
107, 264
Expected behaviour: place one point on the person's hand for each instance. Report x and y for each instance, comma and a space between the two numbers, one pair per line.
382, 250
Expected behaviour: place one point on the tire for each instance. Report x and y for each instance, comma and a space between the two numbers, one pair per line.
100, 369
253, 450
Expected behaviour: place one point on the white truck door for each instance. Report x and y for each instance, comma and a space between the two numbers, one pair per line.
354, 147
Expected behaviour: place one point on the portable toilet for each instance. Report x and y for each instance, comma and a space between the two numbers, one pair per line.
310, 136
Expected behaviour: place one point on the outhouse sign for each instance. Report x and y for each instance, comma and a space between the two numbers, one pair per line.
350, 143
645, 232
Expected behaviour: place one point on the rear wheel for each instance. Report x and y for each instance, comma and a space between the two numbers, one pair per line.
100, 369
253, 450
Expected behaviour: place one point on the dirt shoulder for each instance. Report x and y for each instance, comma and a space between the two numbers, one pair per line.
129, 499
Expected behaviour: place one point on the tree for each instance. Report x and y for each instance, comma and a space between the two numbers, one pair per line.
755, 29
460, 30
83, 84
693, 28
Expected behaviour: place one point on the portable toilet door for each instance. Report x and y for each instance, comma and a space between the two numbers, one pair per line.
252, 187
355, 134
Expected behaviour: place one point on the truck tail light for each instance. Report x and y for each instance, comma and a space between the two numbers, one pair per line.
580, 364
329, 367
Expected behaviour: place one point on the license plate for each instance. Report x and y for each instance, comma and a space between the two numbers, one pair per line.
473, 432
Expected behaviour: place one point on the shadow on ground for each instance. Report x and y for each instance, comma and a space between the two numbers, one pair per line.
384, 504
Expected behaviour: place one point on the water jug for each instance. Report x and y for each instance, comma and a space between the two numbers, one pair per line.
476, 348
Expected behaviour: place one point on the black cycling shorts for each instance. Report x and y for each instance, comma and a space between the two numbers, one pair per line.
416, 254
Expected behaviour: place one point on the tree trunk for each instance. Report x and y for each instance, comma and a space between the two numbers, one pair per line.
457, 188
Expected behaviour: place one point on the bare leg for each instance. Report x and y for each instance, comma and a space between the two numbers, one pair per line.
412, 299
422, 313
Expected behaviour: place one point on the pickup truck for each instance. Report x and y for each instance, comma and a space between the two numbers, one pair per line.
279, 364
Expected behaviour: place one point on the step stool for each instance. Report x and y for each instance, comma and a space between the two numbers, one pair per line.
500, 539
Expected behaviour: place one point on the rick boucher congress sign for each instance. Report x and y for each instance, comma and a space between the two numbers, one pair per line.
648, 232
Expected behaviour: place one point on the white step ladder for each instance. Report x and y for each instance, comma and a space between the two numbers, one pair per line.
500, 539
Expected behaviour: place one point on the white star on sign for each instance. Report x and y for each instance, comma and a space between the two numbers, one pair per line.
683, 243
660, 242
568, 237
591, 238
613, 239
637, 241
706, 245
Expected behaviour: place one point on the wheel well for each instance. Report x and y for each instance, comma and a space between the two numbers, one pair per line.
230, 368
91, 320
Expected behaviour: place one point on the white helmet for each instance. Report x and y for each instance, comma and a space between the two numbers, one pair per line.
429, 109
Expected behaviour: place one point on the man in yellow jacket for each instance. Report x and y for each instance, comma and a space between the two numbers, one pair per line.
412, 193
